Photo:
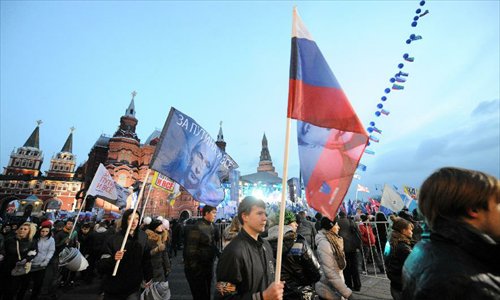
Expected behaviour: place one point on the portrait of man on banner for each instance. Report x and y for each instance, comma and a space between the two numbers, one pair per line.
188, 155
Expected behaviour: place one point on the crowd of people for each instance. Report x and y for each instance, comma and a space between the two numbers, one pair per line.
449, 251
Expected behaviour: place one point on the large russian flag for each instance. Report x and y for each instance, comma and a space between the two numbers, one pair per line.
330, 136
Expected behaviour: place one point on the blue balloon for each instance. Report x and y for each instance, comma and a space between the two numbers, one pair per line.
422, 3
368, 144
413, 24
383, 99
405, 56
401, 66
415, 18
372, 123
387, 90
370, 130
392, 80
418, 11
412, 36
380, 105
377, 113
408, 41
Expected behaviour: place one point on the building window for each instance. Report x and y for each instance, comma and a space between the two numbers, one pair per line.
30, 164
16, 163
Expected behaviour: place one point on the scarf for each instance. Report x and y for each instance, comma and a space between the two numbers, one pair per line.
338, 247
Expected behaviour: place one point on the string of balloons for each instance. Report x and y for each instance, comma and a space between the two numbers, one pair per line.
397, 82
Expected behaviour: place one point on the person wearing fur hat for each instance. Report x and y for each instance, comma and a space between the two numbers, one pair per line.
21, 247
300, 268
157, 239
330, 250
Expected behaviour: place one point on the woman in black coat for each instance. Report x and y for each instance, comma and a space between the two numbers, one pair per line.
401, 247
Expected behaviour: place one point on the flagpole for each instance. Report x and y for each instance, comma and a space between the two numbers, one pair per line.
139, 198
283, 203
145, 204
357, 194
77, 216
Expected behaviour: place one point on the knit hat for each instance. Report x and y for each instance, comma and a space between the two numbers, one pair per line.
46, 223
327, 224
166, 224
154, 224
147, 220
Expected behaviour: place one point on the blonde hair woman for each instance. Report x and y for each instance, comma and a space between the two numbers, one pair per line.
19, 249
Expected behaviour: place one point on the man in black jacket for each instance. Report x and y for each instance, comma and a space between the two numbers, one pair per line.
135, 265
460, 258
246, 267
200, 251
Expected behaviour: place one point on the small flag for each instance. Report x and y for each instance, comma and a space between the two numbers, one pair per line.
397, 87
385, 112
368, 151
410, 191
400, 79
361, 167
362, 188
376, 129
373, 138
356, 176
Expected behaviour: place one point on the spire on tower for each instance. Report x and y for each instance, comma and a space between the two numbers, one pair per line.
34, 139
68, 145
220, 136
131, 108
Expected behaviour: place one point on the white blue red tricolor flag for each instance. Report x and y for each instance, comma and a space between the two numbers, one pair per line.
331, 138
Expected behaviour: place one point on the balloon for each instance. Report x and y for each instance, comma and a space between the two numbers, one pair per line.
377, 113
415, 18
418, 11
422, 3
372, 123
412, 36
387, 90
380, 105
392, 80
383, 99
408, 41
370, 130
401, 66
413, 24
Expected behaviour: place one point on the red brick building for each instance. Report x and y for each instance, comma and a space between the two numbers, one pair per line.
127, 160
23, 181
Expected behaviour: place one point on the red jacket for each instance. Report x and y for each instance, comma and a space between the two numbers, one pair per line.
367, 235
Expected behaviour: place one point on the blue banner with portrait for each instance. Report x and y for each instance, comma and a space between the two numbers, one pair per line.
187, 154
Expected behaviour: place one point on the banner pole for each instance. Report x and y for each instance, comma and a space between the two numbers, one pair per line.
283, 203
139, 198
145, 203
77, 216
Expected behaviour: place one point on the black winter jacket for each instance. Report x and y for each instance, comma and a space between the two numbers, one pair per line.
299, 269
200, 247
394, 264
134, 267
349, 232
457, 262
245, 268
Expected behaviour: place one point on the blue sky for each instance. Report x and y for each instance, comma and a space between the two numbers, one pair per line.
76, 63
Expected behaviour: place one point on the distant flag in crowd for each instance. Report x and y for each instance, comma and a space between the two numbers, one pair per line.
319, 104
374, 204
362, 188
187, 154
362, 167
104, 187
411, 191
391, 199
